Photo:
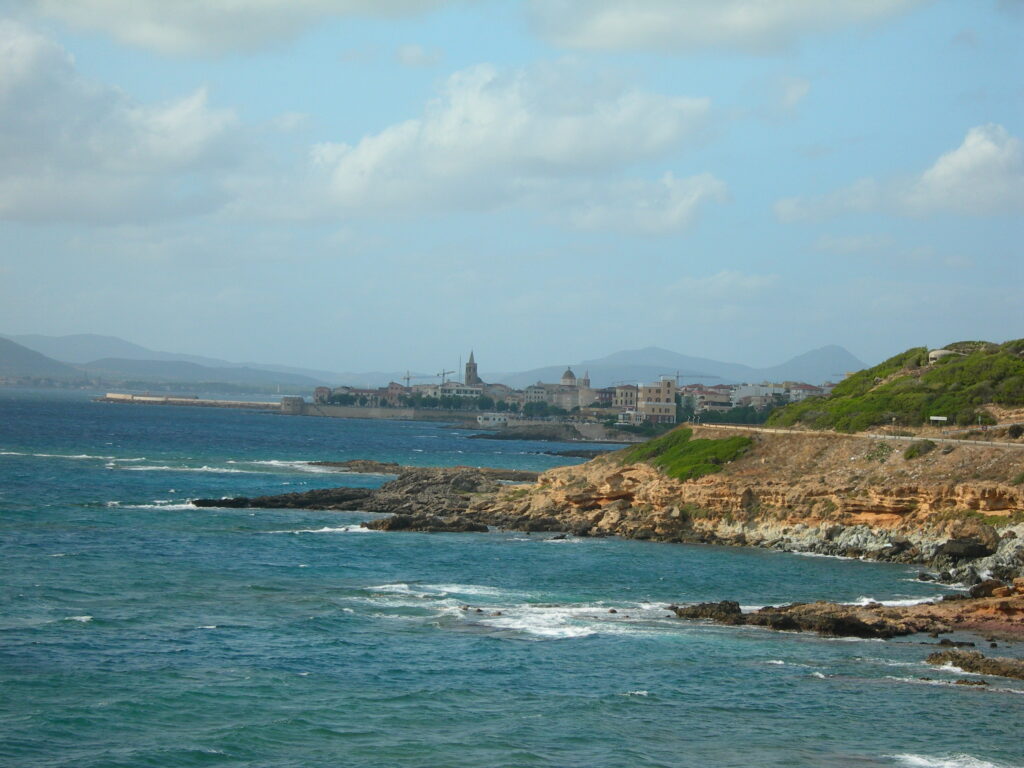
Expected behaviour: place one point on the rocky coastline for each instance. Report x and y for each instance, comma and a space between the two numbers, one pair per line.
958, 514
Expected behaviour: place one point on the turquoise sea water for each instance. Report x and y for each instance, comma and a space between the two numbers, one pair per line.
136, 630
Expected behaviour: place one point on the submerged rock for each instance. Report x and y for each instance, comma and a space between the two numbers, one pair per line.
324, 498
425, 524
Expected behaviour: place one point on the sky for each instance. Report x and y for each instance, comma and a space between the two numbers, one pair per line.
386, 184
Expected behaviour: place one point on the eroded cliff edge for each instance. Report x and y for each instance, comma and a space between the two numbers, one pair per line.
957, 508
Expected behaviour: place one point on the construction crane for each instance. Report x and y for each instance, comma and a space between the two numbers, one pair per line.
443, 374
409, 377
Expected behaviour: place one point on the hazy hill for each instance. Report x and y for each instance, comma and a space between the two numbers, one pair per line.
18, 361
173, 371
82, 348
650, 363
908, 390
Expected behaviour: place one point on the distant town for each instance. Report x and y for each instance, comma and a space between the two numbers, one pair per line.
572, 398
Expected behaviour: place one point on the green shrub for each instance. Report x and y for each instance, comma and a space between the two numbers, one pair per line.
880, 452
906, 391
1018, 479
1015, 431
678, 456
918, 448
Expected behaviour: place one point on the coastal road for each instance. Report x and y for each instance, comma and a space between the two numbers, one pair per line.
863, 435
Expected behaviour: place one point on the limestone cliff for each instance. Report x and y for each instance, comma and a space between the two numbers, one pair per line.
956, 507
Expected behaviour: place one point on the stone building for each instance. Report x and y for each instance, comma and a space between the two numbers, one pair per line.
657, 402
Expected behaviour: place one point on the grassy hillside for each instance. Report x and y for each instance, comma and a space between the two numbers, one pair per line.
906, 390
678, 456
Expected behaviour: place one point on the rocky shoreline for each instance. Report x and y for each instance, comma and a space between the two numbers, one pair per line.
956, 515
985, 613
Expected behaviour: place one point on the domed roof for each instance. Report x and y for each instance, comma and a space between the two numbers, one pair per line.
569, 374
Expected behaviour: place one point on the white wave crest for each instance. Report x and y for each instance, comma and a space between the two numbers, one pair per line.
82, 619
945, 761
862, 600
328, 529
168, 506
204, 468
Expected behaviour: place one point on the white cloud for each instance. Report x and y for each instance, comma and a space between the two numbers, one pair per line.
685, 26
667, 205
984, 176
71, 148
214, 26
418, 56
491, 138
794, 90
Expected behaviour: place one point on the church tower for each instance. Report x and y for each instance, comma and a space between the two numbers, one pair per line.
472, 377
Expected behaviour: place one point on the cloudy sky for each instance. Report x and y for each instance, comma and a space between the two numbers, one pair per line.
382, 184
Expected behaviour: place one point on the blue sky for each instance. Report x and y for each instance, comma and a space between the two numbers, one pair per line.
359, 185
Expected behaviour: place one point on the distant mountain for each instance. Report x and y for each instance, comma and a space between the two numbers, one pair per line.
650, 363
18, 361
174, 371
81, 348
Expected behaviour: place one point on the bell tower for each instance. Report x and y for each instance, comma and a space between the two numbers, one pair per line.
472, 377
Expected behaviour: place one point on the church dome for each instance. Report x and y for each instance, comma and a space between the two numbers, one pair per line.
568, 376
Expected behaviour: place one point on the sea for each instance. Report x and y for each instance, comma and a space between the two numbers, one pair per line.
138, 630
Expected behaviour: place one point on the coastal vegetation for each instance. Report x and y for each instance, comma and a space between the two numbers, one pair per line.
918, 448
908, 390
679, 456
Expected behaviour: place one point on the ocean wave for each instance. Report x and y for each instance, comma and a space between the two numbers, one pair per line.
328, 529
497, 612
862, 600
293, 465
204, 468
817, 554
82, 619
960, 760
169, 507
59, 455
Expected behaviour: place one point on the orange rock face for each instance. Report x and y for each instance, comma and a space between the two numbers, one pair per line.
787, 487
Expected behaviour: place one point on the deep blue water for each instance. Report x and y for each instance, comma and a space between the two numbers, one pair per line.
136, 630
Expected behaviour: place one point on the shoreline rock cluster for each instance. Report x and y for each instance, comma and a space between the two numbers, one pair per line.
983, 613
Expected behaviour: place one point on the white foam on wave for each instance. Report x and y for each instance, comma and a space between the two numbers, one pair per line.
635, 693
82, 619
862, 600
817, 554
960, 760
204, 468
776, 662
575, 621
207, 626
167, 506
478, 590
298, 466
328, 529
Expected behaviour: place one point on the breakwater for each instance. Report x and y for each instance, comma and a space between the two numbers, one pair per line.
292, 405
118, 397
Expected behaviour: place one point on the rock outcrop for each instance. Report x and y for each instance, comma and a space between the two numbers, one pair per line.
973, 661
956, 510
1002, 616
327, 498
417, 491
